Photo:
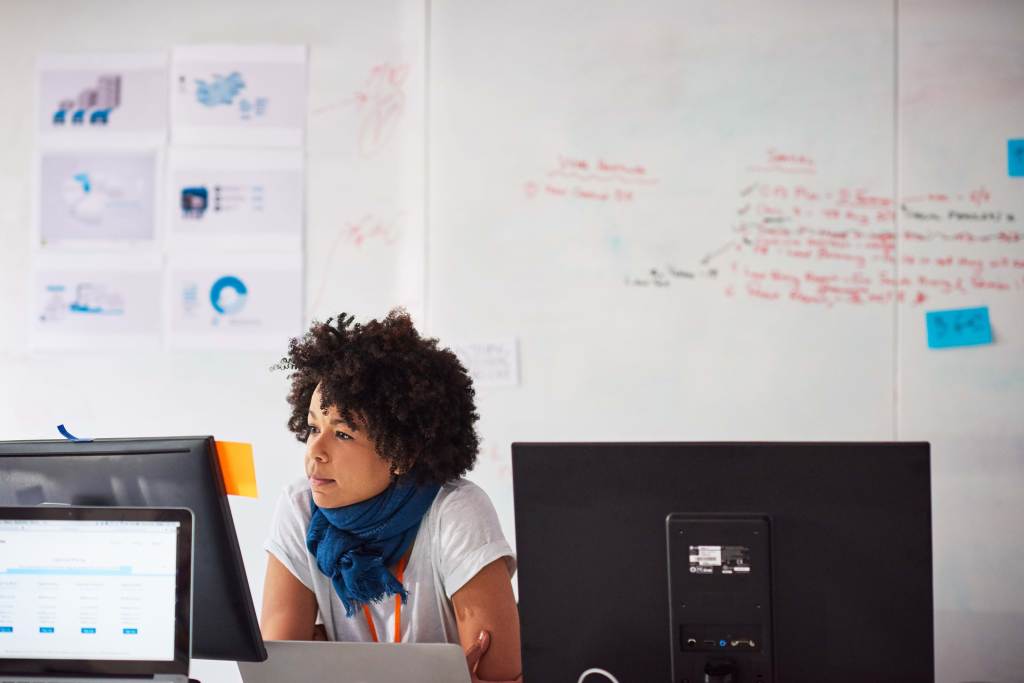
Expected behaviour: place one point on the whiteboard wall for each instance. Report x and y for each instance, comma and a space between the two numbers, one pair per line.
961, 72
691, 216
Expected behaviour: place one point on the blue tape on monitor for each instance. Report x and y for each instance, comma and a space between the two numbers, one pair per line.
958, 327
68, 435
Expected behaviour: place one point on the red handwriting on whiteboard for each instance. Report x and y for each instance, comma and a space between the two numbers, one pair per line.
591, 180
602, 170
833, 247
785, 161
838, 246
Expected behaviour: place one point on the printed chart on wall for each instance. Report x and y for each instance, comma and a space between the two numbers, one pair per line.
102, 96
96, 198
233, 301
104, 303
242, 199
238, 95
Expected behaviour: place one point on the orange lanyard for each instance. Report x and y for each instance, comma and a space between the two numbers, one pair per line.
398, 606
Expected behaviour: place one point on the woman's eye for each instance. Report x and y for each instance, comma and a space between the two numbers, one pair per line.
312, 429
342, 436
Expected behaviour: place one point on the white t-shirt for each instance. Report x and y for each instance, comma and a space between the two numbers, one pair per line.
458, 536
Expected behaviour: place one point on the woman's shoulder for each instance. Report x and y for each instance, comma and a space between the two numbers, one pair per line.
462, 505
460, 495
466, 534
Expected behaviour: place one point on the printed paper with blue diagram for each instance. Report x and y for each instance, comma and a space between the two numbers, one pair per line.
106, 301
245, 302
93, 198
102, 97
232, 198
238, 95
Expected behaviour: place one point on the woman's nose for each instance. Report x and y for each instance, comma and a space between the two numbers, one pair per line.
316, 451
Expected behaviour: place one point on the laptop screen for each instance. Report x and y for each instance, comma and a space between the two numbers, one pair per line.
81, 589
90, 590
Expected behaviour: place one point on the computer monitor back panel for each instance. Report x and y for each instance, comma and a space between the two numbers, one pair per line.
719, 596
850, 553
171, 472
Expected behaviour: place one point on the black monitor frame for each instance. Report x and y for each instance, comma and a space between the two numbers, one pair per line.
147, 472
182, 591
851, 565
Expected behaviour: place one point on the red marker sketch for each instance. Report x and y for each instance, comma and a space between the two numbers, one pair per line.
380, 103
369, 228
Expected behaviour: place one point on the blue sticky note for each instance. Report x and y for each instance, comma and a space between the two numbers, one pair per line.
958, 327
1015, 158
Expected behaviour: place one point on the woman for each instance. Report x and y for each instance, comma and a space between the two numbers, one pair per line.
383, 540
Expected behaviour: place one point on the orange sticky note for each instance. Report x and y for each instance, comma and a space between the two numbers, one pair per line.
237, 467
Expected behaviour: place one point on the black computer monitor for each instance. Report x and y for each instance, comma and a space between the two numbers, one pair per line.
724, 562
156, 472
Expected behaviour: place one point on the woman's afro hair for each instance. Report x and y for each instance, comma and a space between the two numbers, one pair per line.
414, 400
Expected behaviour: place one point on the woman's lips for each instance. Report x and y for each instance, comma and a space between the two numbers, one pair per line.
317, 481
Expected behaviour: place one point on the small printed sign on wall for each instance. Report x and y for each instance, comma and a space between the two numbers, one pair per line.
491, 363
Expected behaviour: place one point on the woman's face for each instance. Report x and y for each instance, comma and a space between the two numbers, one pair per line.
341, 461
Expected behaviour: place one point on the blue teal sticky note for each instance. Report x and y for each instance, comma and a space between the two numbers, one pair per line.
1015, 158
958, 327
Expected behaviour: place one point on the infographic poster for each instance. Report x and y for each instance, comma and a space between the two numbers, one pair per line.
103, 303
102, 97
244, 302
96, 198
238, 95
236, 199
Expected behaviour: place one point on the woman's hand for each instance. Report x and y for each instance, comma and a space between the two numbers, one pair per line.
475, 652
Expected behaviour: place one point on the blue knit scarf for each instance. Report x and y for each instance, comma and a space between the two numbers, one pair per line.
354, 545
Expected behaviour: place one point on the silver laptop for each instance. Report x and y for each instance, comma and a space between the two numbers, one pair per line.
358, 662
95, 594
